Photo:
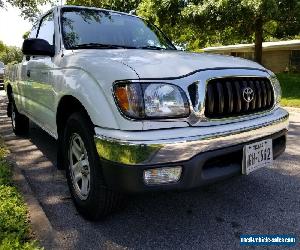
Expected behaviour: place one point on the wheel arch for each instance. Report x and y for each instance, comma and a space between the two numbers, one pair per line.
68, 105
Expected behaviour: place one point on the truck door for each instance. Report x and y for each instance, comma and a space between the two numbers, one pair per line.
40, 86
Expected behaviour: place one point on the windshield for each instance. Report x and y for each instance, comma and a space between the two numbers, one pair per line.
1, 65
92, 28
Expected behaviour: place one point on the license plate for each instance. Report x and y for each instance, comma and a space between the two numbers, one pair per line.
257, 155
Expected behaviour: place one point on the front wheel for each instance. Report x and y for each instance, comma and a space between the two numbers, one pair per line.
84, 174
19, 122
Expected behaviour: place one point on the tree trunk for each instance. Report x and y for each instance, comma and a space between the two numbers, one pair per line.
258, 40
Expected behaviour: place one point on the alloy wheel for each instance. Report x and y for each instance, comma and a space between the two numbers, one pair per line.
79, 167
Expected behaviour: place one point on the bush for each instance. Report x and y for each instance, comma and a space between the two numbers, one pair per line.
5, 174
15, 244
13, 221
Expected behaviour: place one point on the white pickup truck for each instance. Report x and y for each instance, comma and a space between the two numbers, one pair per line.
133, 114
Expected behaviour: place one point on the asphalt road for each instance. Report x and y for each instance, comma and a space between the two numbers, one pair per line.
212, 217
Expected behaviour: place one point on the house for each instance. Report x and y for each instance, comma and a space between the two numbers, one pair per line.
277, 56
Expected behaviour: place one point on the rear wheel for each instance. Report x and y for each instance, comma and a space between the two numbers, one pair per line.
84, 174
19, 122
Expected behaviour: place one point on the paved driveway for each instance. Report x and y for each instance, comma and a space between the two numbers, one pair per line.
213, 217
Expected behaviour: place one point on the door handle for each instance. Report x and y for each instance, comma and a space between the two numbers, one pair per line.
28, 73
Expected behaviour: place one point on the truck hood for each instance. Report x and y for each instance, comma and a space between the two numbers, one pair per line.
167, 64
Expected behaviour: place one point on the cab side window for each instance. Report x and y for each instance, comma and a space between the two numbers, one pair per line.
46, 29
33, 32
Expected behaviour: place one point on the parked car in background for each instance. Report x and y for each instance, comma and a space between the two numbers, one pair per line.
133, 114
1, 75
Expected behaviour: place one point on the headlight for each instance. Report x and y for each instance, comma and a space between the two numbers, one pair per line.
150, 101
164, 100
277, 88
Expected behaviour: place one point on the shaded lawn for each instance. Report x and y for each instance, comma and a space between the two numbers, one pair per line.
290, 85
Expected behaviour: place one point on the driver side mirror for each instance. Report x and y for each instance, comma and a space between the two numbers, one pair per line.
37, 47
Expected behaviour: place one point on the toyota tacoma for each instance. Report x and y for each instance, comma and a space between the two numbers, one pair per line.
132, 114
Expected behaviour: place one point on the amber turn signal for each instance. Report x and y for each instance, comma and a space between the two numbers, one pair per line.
129, 99
121, 95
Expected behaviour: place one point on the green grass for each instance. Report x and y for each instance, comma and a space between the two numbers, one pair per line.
290, 85
14, 226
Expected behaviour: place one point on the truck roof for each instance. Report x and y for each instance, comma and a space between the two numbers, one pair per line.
88, 7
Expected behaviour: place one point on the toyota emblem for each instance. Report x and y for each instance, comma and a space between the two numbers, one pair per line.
248, 94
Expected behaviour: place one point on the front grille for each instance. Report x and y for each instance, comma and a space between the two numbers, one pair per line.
226, 97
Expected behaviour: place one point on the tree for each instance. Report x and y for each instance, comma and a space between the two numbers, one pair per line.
9, 54
119, 5
198, 23
248, 19
26, 35
207, 22
2, 46
29, 8
171, 23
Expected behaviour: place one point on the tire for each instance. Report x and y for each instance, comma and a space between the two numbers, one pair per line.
92, 198
19, 122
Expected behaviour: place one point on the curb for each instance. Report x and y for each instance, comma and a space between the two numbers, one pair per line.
292, 109
39, 222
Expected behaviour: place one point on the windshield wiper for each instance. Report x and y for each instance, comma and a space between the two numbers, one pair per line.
100, 46
151, 47
113, 46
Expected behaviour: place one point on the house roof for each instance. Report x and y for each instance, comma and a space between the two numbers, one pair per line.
282, 45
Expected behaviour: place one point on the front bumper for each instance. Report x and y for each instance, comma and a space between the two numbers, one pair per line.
126, 154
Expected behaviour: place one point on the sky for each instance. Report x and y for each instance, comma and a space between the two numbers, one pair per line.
13, 26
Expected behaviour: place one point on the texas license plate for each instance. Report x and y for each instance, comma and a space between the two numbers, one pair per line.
257, 155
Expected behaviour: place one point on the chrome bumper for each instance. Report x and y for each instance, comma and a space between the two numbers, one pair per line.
181, 144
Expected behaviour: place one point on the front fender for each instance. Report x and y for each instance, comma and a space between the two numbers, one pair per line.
95, 94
